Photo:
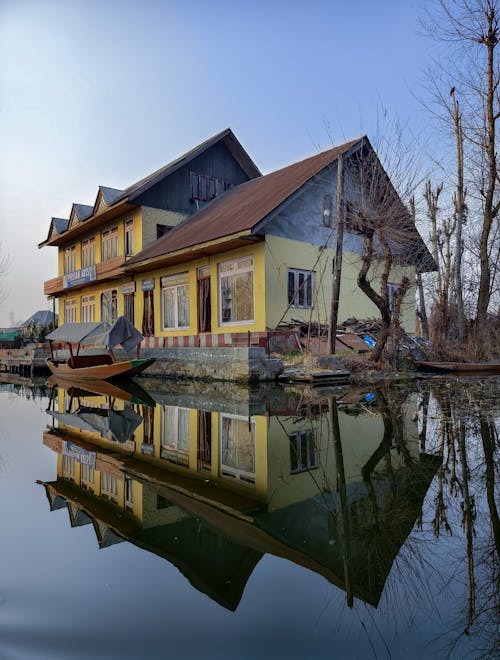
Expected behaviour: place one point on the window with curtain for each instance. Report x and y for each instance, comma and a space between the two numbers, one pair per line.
148, 316
87, 309
236, 291
109, 244
300, 288
70, 311
109, 306
175, 301
237, 448
175, 434
88, 252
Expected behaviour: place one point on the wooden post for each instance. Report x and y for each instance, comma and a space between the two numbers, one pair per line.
337, 264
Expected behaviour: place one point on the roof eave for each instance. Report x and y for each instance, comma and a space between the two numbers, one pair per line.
222, 244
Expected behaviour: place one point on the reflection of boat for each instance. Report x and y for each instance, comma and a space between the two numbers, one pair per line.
126, 390
101, 365
459, 367
115, 425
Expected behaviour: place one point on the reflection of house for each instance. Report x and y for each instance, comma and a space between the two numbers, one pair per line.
206, 249
229, 488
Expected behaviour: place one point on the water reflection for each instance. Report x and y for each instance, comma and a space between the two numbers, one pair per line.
333, 481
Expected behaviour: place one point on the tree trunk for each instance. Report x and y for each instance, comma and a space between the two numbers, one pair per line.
459, 204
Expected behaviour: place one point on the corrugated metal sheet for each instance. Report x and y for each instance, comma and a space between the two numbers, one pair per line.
242, 207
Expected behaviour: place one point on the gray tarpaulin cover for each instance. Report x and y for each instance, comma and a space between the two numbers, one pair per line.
124, 333
114, 425
92, 334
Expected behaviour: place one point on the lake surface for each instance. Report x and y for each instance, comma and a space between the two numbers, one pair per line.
214, 521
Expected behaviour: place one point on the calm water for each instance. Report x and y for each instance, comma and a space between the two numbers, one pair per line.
197, 521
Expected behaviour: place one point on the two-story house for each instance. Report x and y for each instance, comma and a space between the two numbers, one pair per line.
207, 250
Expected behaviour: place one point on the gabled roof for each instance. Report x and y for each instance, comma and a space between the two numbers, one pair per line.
227, 136
115, 198
42, 317
79, 212
244, 206
108, 195
58, 226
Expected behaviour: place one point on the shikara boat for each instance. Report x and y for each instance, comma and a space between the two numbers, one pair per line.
459, 367
102, 366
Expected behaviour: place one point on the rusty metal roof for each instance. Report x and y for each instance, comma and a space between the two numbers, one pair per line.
242, 207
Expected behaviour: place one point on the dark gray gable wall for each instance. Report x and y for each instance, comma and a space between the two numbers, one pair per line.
173, 193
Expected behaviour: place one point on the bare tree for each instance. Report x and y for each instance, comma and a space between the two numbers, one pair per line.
470, 31
389, 235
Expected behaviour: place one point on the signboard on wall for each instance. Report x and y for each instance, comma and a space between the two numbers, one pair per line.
78, 453
148, 285
128, 288
77, 277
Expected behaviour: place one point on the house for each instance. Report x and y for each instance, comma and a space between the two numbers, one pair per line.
212, 487
208, 252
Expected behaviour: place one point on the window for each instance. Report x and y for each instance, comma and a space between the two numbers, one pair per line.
237, 448
205, 187
109, 486
236, 291
129, 238
392, 290
128, 311
129, 493
88, 252
68, 467
87, 310
303, 455
327, 209
109, 247
87, 477
175, 301
300, 288
161, 230
70, 259
148, 317
70, 311
109, 306
175, 434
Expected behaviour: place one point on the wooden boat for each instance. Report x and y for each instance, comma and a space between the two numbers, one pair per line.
459, 367
126, 390
102, 366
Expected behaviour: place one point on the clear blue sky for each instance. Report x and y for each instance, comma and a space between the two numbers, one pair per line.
102, 93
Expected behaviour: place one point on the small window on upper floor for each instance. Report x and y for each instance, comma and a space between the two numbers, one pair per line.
129, 238
109, 244
205, 188
327, 209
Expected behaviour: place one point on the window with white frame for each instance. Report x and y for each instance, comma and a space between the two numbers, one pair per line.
87, 309
175, 301
109, 306
303, 454
88, 252
109, 486
70, 259
109, 244
70, 311
87, 477
392, 291
129, 493
236, 291
68, 467
237, 448
175, 434
300, 288
129, 238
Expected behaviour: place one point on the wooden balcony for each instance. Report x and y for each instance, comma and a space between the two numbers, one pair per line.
106, 270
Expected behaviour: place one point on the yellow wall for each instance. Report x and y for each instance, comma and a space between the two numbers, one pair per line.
284, 253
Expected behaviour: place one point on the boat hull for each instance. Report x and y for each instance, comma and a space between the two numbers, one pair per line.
101, 371
459, 367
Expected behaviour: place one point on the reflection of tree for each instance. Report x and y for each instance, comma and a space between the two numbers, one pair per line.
467, 443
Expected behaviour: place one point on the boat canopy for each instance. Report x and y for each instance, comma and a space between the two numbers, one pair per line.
89, 334
97, 334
